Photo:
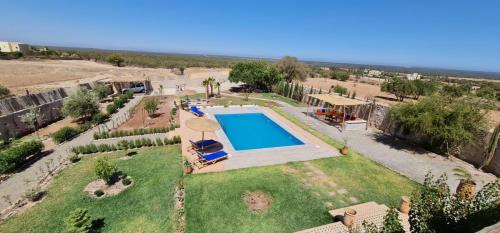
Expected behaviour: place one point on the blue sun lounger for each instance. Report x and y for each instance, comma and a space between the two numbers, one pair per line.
197, 111
212, 157
203, 144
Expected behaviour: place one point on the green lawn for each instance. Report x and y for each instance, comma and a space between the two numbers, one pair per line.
230, 100
274, 96
147, 206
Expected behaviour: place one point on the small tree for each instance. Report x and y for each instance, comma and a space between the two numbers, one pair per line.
78, 221
217, 84
31, 119
106, 170
115, 59
206, 83
4, 92
257, 74
391, 222
101, 90
83, 103
150, 105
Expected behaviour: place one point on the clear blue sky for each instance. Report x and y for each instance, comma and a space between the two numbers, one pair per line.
441, 33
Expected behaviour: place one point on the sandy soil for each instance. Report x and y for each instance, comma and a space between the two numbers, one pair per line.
363, 90
140, 119
37, 76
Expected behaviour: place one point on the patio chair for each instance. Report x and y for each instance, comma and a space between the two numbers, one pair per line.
197, 111
211, 158
203, 144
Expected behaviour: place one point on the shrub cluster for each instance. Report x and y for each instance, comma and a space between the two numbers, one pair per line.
99, 118
15, 156
119, 102
125, 133
64, 134
124, 145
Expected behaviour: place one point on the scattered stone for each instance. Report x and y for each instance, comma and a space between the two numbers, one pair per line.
109, 190
257, 201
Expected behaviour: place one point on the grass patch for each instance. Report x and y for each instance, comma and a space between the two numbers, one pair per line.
274, 96
214, 202
231, 100
147, 206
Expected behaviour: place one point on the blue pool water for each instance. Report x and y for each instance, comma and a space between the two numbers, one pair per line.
254, 131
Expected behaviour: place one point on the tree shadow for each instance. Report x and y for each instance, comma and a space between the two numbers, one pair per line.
387, 98
33, 159
97, 225
397, 143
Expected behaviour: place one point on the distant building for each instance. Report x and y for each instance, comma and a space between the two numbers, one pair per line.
12, 47
413, 76
374, 73
325, 68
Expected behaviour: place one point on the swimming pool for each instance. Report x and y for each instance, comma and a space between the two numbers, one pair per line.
248, 131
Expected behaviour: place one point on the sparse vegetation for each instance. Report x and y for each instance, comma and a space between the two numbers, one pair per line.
4, 92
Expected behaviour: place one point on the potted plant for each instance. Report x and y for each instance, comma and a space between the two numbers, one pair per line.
188, 168
349, 217
467, 186
345, 149
404, 205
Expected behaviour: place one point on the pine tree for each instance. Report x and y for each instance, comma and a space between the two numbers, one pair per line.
78, 221
311, 89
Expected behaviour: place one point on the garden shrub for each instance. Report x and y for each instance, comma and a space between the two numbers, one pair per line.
111, 108
34, 194
13, 157
74, 158
78, 221
391, 222
105, 169
142, 131
126, 181
98, 193
64, 134
84, 127
99, 118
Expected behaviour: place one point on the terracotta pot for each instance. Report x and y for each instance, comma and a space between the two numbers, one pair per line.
466, 189
344, 150
349, 217
404, 205
188, 170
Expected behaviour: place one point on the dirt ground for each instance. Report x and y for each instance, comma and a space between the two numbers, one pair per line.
363, 90
42, 75
140, 118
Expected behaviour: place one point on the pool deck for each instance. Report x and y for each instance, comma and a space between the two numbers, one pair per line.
313, 147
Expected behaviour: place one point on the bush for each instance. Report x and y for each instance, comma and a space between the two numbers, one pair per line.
64, 134
84, 127
105, 169
99, 118
126, 181
111, 108
13, 157
125, 133
78, 221
74, 158
98, 193
34, 194
101, 90
150, 105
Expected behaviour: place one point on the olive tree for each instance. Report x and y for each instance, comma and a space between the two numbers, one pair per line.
82, 104
150, 105
4, 92
292, 69
115, 59
447, 122
257, 74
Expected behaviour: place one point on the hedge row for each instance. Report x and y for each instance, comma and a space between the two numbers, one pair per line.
119, 102
125, 133
15, 156
124, 145
66, 133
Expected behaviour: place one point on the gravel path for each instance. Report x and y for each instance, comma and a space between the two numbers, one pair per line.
14, 187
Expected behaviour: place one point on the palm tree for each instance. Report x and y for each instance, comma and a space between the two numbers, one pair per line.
211, 82
217, 84
206, 83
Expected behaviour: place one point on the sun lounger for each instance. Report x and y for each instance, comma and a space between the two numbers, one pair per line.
212, 157
203, 144
197, 111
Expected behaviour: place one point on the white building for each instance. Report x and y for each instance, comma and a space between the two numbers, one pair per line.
11, 47
374, 73
413, 76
